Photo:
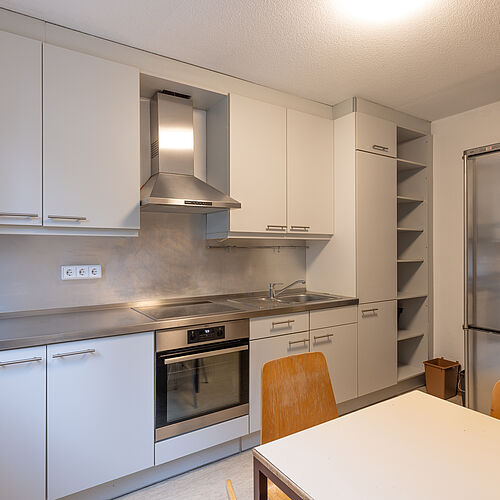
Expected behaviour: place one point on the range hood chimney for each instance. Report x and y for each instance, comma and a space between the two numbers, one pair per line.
172, 186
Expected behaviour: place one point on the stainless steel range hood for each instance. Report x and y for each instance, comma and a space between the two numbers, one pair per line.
172, 186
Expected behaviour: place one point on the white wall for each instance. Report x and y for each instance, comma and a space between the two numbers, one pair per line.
453, 135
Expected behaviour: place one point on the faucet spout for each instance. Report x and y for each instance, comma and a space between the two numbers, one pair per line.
274, 293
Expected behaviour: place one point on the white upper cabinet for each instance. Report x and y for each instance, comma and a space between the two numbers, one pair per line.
376, 135
257, 152
90, 141
309, 173
20, 130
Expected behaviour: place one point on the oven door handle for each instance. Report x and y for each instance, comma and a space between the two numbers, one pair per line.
200, 355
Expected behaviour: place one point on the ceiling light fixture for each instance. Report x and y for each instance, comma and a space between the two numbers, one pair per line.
378, 11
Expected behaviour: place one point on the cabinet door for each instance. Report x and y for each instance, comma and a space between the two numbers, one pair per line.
100, 411
376, 233
91, 141
376, 135
377, 346
309, 173
262, 351
257, 165
20, 130
22, 424
339, 345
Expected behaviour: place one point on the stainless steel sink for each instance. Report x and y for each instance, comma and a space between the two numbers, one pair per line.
259, 302
303, 298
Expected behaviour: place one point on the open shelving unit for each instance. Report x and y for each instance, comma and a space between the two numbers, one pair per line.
413, 252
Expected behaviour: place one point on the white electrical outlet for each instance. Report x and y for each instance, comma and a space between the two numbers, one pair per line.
95, 271
68, 272
81, 272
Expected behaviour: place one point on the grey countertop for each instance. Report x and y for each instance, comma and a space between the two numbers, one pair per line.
34, 328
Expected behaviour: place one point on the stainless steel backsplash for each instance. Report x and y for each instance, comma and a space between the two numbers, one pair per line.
169, 259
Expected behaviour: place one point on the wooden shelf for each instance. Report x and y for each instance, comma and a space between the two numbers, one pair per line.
407, 371
409, 334
409, 165
406, 296
408, 199
410, 261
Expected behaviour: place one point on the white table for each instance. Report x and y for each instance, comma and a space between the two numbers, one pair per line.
414, 446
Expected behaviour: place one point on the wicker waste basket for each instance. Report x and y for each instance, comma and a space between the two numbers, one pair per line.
441, 377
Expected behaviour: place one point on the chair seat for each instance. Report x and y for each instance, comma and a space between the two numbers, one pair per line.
274, 493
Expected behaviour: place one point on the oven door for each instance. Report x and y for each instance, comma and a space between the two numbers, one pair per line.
200, 386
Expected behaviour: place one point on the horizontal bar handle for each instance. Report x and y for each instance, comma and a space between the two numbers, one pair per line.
18, 215
74, 353
190, 357
300, 228
378, 147
303, 341
287, 322
76, 218
327, 336
273, 227
364, 311
19, 361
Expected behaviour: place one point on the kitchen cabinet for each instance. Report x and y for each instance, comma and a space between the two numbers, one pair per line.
262, 351
376, 236
22, 423
339, 345
309, 173
258, 165
280, 169
20, 131
100, 411
90, 141
377, 346
376, 135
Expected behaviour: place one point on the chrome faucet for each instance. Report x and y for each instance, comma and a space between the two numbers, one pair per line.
273, 293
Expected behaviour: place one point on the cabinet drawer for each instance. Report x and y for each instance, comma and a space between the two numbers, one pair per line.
333, 317
279, 325
375, 135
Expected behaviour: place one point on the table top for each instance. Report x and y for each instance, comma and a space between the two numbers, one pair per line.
414, 446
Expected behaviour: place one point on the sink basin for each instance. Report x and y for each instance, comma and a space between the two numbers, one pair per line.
303, 298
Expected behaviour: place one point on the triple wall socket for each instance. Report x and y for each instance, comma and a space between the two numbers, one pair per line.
81, 272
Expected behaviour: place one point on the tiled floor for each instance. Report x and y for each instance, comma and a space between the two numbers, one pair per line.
209, 482
205, 483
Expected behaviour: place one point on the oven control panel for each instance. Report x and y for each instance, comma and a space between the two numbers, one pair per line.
205, 334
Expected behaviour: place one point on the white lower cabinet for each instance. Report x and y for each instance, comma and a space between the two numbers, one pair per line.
100, 411
22, 423
339, 345
377, 346
262, 351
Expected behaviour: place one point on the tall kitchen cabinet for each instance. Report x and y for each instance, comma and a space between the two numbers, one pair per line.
280, 169
22, 423
90, 141
20, 131
380, 252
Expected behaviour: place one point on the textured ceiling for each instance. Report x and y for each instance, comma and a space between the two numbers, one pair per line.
442, 59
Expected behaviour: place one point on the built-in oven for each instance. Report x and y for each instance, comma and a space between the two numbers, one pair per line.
201, 376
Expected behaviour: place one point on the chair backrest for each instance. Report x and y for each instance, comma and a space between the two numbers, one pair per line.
296, 394
495, 401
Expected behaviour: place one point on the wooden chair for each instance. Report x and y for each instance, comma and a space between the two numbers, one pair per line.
495, 401
296, 394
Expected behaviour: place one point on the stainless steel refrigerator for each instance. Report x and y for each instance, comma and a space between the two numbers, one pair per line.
482, 274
